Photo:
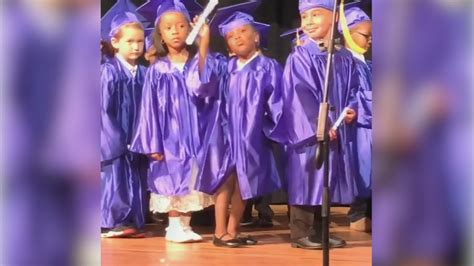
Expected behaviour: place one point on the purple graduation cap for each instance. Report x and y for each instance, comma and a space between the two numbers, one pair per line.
305, 5
121, 7
225, 12
121, 19
354, 16
230, 17
154, 9
193, 7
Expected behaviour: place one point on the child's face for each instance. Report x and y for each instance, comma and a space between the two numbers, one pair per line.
243, 41
362, 34
316, 23
130, 44
174, 28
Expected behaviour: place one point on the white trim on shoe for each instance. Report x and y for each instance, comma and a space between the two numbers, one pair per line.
196, 237
177, 235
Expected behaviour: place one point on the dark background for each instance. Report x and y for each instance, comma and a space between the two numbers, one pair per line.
282, 15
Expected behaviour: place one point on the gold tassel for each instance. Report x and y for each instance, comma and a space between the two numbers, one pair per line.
298, 40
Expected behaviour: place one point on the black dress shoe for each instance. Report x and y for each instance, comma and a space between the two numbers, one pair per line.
247, 222
231, 243
247, 240
305, 243
334, 242
264, 222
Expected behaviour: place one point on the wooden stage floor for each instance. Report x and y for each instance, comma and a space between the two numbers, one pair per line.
273, 247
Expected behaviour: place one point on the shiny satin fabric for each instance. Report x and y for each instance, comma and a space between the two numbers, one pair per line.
364, 128
252, 120
123, 174
177, 110
304, 76
254, 106
123, 186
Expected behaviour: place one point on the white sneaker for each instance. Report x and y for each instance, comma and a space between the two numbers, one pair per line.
192, 234
177, 235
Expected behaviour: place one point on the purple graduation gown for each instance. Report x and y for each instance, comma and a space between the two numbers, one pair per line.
177, 109
253, 107
304, 77
122, 172
253, 117
364, 128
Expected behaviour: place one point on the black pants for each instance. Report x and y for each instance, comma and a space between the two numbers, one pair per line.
360, 208
262, 205
305, 221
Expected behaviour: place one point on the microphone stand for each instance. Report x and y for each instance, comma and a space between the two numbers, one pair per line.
322, 135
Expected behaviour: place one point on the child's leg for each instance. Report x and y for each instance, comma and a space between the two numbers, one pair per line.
174, 219
222, 200
175, 231
236, 212
185, 221
265, 212
247, 218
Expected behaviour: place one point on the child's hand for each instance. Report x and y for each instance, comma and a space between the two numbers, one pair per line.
205, 32
157, 156
332, 134
204, 40
351, 115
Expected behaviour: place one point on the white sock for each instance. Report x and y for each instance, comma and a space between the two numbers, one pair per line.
174, 222
185, 220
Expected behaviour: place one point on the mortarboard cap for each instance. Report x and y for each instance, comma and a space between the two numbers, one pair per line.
354, 16
120, 8
154, 9
230, 17
305, 5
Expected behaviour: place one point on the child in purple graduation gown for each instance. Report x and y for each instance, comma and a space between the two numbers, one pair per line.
304, 78
253, 115
122, 172
171, 125
359, 29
